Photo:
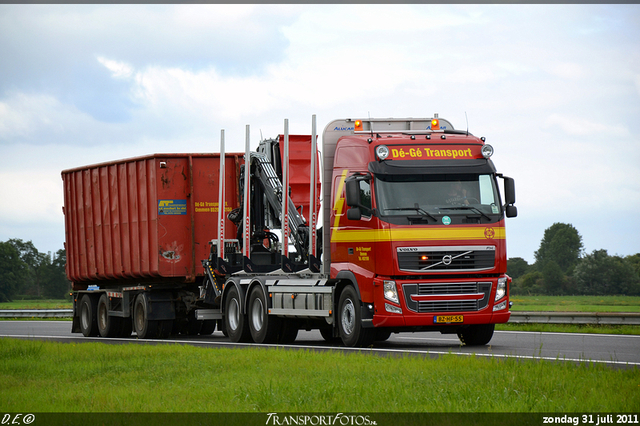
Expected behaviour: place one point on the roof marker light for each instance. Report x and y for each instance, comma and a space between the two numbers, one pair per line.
358, 126
435, 124
487, 151
382, 151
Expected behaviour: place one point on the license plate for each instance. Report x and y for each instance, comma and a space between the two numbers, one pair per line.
446, 319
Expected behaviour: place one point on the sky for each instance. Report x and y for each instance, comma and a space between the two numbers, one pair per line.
555, 89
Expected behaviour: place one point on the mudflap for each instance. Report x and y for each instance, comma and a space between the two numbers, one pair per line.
161, 306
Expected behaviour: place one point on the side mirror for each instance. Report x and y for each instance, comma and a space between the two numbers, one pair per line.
509, 191
352, 192
512, 211
354, 213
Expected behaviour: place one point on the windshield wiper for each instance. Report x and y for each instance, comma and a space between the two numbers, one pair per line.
474, 209
417, 208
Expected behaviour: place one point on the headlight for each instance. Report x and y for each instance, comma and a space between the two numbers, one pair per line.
382, 151
501, 291
391, 292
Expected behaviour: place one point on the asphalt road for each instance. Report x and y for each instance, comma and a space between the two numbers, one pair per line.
615, 350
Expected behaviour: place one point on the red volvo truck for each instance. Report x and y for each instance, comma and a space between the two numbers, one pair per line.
411, 237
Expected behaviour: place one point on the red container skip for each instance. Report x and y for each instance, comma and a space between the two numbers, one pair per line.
146, 219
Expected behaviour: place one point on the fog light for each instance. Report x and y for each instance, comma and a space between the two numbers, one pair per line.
392, 309
500, 306
391, 292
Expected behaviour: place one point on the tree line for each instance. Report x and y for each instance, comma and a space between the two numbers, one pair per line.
26, 272
562, 268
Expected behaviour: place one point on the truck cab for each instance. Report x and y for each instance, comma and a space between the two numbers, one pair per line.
417, 226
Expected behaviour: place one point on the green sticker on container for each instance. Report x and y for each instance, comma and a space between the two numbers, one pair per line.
446, 220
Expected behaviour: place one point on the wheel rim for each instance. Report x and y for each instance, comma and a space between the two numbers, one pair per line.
257, 314
85, 317
348, 317
234, 314
139, 317
102, 316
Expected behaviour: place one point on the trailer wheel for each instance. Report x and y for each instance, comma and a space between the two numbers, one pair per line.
108, 326
476, 334
146, 328
235, 320
350, 320
88, 316
264, 328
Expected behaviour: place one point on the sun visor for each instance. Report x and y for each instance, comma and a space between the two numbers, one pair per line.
432, 167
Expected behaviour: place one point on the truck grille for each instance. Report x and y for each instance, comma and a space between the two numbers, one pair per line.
449, 259
447, 297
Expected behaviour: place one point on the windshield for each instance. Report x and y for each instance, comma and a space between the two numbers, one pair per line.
466, 194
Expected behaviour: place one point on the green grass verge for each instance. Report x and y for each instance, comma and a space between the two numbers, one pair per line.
37, 304
94, 377
568, 328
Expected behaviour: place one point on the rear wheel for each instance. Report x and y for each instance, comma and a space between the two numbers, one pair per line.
146, 328
208, 327
235, 320
288, 331
88, 315
350, 320
476, 334
108, 326
263, 327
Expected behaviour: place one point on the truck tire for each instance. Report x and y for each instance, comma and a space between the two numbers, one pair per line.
476, 334
146, 328
108, 326
350, 320
288, 331
88, 315
235, 320
208, 327
327, 334
263, 327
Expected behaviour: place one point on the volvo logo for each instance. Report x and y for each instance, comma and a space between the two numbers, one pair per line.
446, 259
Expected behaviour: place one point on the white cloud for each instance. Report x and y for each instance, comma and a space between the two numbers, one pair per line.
118, 69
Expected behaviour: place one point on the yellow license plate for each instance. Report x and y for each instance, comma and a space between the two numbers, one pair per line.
446, 319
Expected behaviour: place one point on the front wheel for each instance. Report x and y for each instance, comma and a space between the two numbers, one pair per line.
476, 334
350, 320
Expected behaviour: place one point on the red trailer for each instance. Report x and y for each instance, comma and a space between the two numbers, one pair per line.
146, 219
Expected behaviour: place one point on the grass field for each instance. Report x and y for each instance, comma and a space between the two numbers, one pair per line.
94, 377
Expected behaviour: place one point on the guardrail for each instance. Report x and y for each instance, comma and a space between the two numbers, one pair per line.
36, 313
597, 318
